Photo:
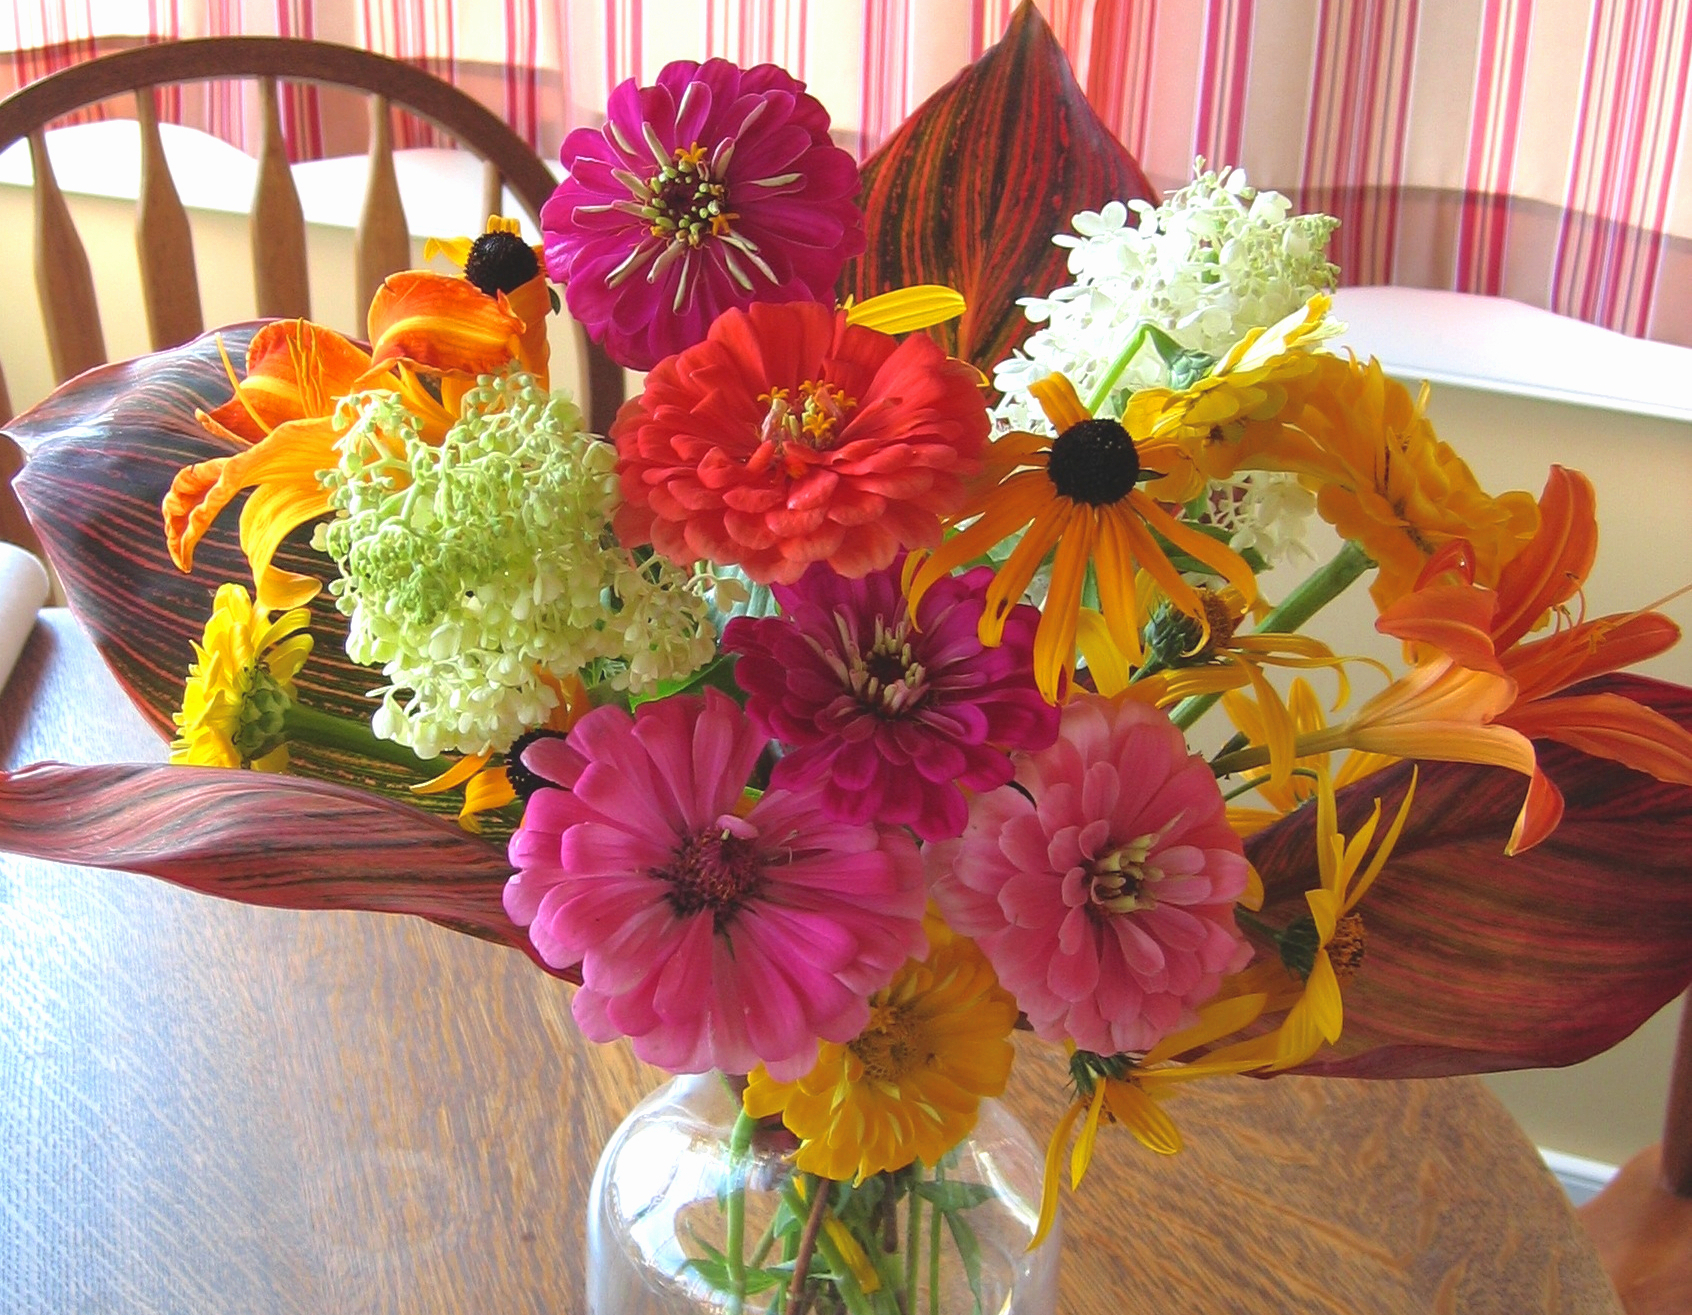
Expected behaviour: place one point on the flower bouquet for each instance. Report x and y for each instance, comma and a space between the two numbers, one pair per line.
834, 715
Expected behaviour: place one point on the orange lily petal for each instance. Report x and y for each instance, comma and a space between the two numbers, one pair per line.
1554, 564
296, 370
1454, 619
435, 322
1593, 648
1610, 726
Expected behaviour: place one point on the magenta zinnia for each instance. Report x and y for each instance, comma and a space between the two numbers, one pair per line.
1103, 889
790, 436
712, 940
892, 721
715, 188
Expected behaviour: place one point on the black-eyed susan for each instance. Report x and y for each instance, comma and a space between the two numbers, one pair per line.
909, 1086
1081, 494
240, 686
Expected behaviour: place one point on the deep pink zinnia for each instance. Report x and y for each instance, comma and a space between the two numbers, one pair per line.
716, 187
790, 436
1106, 905
712, 940
892, 721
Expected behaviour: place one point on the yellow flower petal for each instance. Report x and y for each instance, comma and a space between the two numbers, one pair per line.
907, 309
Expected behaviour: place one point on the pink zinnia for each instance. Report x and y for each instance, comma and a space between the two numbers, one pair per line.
1106, 905
790, 436
715, 188
893, 721
712, 940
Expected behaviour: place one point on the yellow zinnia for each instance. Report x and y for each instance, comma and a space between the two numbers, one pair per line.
240, 685
908, 1087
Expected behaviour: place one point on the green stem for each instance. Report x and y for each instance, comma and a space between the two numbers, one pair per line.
1243, 760
1323, 585
740, 1140
1118, 366
311, 726
845, 1281
934, 1255
913, 1249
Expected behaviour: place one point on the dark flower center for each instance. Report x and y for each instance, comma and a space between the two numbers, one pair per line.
713, 870
684, 202
1345, 950
523, 779
1093, 462
886, 677
1120, 879
500, 262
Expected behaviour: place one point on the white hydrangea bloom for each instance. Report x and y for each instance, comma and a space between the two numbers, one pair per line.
1216, 259
470, 567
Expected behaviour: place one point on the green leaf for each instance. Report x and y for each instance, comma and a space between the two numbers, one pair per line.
1475, 962
972, 188
714, 1271
103, 450
969, 1252
272, 840
950, 1195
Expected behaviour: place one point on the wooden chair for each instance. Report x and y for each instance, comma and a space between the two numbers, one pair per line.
171, 295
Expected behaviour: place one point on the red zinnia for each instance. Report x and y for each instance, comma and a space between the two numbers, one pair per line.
789, 437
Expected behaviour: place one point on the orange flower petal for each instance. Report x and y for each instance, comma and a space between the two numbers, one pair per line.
435, 322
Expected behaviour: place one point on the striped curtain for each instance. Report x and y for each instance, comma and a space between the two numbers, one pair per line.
1522, 148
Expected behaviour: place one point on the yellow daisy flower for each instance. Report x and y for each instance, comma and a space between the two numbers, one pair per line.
240, 685
908, 1087
1079, 492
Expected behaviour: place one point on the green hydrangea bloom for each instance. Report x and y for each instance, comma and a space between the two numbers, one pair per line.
470, 567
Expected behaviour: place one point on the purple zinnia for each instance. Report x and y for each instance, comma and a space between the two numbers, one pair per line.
716, 188
892, 720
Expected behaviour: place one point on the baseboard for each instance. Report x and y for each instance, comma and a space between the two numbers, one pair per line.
1581, 1178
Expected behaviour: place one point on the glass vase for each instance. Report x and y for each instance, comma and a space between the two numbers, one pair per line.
694, 1209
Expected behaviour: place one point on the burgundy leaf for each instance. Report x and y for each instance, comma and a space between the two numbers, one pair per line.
972, 188
1476, 962
263, 839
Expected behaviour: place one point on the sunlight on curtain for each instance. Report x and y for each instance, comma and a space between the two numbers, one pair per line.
1531, 149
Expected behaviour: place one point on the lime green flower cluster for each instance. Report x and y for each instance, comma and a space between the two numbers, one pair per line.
472, 567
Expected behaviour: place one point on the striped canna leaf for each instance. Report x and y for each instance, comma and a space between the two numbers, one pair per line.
972, 188
102, 452
1475, 962
275, 840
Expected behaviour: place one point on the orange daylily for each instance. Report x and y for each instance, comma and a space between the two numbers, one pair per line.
282, 418
1484, 668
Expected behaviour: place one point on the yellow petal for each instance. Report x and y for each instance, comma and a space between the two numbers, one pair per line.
1362, 884
1051, 1182
1082, 1155
1144, 1118
1217, 1019
460, 772
1058, 399
907, 309
1104, 659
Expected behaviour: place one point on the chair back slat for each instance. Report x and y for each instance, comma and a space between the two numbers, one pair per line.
382, 243
278, 224
493, 190
170, 289
63, 282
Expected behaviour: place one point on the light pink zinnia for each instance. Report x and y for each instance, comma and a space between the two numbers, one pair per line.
1106, 905
712, 940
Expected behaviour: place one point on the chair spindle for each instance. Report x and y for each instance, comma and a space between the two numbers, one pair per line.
170, 288
383, 241
63, 281
280, 279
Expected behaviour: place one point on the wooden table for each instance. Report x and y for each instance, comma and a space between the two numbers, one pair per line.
211, 1107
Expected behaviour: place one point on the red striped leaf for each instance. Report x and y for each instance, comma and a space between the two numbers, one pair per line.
972, 188
103, 450
1476, 962
273, 840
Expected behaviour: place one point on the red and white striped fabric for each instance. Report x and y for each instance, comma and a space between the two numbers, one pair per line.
1525, 148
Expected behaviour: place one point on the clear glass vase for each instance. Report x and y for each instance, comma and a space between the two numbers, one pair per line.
683, 1219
